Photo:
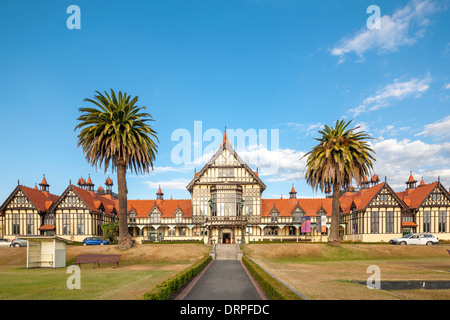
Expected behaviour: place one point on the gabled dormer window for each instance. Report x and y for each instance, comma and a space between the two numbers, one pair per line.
132, 217
274, 216
178, 217
297, 215
155, 217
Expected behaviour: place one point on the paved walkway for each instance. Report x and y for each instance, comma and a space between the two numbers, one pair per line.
224, 279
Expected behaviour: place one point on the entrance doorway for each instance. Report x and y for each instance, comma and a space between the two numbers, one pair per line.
226, 237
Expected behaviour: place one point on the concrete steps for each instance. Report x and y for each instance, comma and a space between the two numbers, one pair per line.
227, 252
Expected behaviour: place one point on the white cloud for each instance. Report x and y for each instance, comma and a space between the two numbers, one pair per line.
447, 86
439, 129
403, 28
307, 128
396, 158
398, 90
168, 184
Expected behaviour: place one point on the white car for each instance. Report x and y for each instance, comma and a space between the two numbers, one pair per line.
5, 242
416, 238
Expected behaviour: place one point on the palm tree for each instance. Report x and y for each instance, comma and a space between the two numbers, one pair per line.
115, 131
341, 156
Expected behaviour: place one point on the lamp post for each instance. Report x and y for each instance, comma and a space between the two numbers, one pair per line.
211, 206
241, 205
248, 233
203, 227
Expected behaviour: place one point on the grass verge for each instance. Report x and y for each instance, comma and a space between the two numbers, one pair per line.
272, 287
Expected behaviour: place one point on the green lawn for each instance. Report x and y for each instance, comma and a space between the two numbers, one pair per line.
51, 284
141, 268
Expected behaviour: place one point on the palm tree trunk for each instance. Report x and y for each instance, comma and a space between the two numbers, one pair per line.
125, 241
334, 238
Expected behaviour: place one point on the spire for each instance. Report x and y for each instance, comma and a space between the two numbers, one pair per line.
108, 185
293, 193
81, 183
411, 183
159, 195
225, 138
89, 184
365, 183
44, 185
422, 182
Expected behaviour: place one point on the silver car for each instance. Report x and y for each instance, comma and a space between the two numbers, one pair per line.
19, 243
5, 242
417, 239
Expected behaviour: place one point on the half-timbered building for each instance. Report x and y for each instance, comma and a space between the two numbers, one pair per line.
227, 206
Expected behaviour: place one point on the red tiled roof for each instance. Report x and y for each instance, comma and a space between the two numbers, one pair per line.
93, 200
361, 199
166, 207
415, 197
286, 206
42, 200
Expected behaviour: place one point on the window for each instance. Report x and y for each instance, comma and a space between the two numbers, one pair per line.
132, 217
227, 204
271, 231
100, 222
71, 199
436, 196
65, 224
30, 225
80, 225
226, 172
203, 206
172, 232
249, 206
374, 221
355, 222
442, 220
178, 218
21, 199
155, 218
297, 216
49, 219
274, 217
426, 221
384, 197
182, 231
389, 222
16, 224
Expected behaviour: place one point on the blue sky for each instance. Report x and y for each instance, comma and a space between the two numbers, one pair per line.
283, 65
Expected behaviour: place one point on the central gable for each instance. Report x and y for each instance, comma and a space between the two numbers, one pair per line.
226, 166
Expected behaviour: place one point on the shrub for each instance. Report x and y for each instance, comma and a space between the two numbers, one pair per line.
164, 290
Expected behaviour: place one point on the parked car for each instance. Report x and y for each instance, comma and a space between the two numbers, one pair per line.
416, 238
5, 242
19, 243
94, 241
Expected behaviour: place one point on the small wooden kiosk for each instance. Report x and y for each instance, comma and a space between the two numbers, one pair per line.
45, 251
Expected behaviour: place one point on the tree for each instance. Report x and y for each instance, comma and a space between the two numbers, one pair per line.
341, 156
111, 230
115, 131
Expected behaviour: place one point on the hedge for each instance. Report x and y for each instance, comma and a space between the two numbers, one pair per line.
164, 290
272, 287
